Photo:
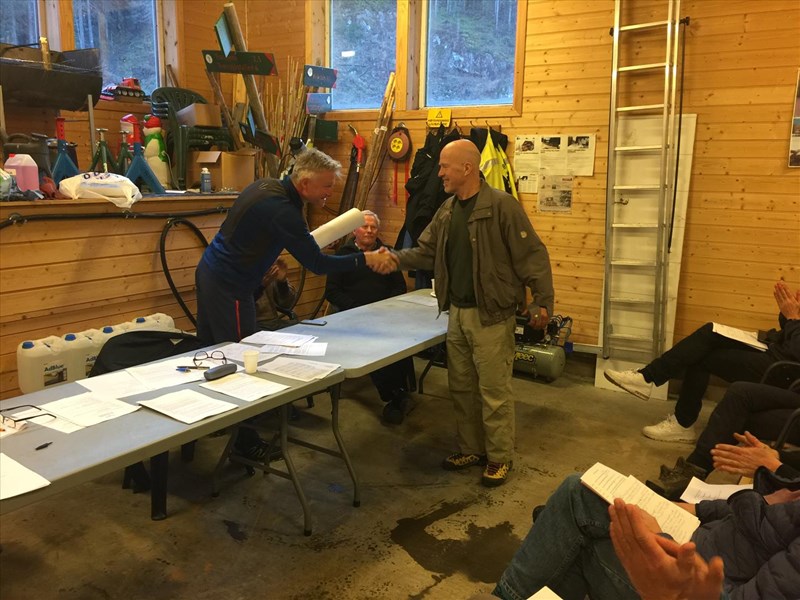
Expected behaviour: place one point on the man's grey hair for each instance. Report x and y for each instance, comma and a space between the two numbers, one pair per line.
369, 213
311, 161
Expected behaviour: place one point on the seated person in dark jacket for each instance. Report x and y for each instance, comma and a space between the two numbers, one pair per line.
274, 296
761, 409
580, 547
705, 353
364, 286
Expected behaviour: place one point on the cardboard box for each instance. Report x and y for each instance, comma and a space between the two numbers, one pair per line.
200, 115
229, 170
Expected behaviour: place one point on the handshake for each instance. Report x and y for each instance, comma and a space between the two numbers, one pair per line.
382, 261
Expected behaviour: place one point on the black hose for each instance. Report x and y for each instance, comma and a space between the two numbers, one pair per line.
163, 251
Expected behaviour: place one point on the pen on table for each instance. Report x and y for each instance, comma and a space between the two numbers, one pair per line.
185, 369
43, 446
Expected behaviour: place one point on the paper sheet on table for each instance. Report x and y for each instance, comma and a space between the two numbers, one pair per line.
293, 368
16, 479
118, 384
276, 338
48, 421
746, 337
310, 349
338, 227
236, 351
244, 387
698, 490
423, 300
545, 594
164, 374
89, 408
187, 406
609, 484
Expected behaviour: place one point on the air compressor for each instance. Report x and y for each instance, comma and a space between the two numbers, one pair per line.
542, 353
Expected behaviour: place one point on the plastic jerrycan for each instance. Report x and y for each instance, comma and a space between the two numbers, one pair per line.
79, 355
32, 358
25, 170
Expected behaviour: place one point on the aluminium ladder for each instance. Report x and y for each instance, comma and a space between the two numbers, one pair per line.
640, 174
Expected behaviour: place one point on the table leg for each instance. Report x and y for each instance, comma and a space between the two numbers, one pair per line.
158, 492
291, 470
335, 392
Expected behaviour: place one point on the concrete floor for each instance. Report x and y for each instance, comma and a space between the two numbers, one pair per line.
421, 532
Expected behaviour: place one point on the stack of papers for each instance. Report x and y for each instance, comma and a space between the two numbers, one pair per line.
293, 368
187, 406
16, 479
698, 490
117, 384
609, 484
88, 409
273, 343
164, 374
244, 387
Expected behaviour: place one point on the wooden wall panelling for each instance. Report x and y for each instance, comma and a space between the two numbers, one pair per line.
64, 276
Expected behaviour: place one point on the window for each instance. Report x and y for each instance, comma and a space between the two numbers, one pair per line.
125, 32
470, 52
19, 23
362, 48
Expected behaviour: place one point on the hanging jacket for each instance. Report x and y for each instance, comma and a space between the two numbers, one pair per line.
425, 188
495, 165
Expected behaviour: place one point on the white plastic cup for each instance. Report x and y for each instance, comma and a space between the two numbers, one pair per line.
433, 288
250, 361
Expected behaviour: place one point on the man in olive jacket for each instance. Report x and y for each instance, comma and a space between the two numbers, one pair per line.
483, 251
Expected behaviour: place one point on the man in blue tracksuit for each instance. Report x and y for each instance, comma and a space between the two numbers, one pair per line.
264, 220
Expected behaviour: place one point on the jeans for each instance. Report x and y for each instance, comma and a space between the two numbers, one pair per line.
761, 409
393, 379
569, 550
697, 357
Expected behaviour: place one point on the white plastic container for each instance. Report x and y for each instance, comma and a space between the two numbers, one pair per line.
25, 170
165, 322
101, 336
40, 364
79, 354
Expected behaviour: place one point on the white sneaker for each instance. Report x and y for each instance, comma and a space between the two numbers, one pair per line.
631, 381
669, 430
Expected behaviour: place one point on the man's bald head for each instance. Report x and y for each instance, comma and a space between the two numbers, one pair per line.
459, 168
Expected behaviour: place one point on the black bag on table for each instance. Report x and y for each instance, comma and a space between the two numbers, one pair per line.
141, 346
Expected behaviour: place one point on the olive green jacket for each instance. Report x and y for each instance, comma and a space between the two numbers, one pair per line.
506, 255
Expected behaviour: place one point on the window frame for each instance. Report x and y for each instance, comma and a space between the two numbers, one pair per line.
409, 73
56, 24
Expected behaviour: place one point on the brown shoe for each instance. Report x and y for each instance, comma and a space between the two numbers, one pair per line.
458, 461
495, 473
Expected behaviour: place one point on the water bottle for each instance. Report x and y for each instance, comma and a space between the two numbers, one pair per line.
205, 181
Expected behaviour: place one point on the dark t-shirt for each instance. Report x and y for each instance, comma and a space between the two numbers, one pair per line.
459, 255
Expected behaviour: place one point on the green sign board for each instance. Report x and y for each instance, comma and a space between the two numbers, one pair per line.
245, 63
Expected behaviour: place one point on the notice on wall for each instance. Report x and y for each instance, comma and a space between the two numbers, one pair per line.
555, 193
794, 138
558, 154
526, 163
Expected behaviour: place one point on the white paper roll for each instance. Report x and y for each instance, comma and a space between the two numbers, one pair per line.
339, 227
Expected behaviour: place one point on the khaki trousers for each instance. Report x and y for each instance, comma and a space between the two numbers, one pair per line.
479, 368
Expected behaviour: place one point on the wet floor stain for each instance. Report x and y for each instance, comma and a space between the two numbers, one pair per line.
482, 556
235, 531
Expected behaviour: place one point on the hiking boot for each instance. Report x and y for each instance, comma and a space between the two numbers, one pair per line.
262, 452
395, 411
672, 482
458, 461
669, 430
495, 473
632, 381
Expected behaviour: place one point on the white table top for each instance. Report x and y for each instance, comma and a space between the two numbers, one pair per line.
369, 337
101, 449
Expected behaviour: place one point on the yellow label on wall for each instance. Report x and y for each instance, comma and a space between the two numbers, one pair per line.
439, 116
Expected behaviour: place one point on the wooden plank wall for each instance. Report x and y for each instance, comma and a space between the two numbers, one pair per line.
66, 276
741, 70
743, 222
